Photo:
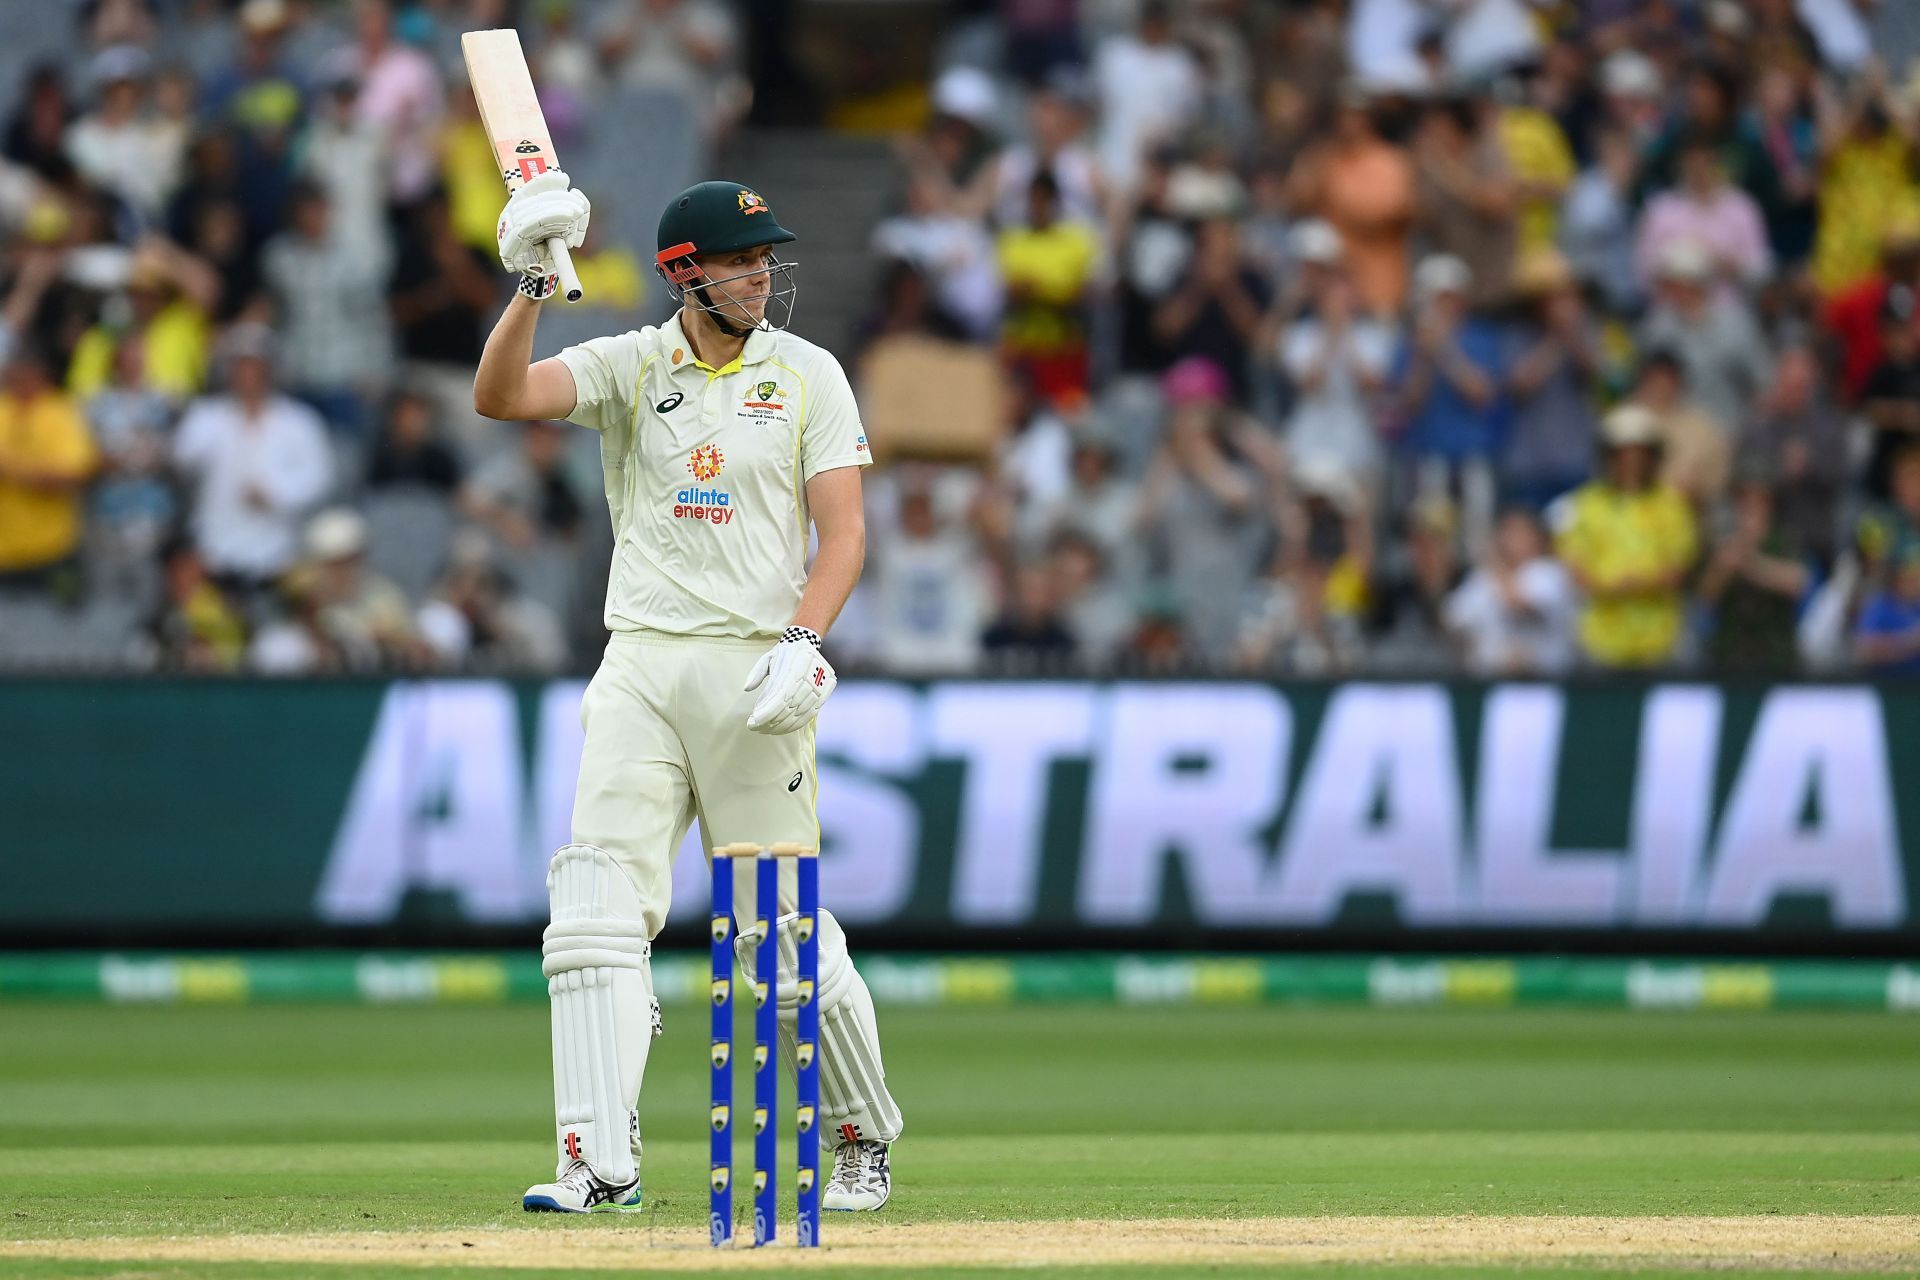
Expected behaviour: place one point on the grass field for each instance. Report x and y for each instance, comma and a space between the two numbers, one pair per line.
338, 1141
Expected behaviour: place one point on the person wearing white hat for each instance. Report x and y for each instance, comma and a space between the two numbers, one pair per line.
121, 145
365, 617
1713, 332
1630, 543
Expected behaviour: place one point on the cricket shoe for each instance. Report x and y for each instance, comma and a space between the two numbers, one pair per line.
861, 1180
579, 1190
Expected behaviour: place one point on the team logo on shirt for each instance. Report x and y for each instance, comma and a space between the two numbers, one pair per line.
766, 397
705, 462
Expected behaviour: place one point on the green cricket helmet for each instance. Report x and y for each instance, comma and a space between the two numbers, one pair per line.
712, 218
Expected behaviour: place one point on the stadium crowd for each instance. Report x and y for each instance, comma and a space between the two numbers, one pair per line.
1506, 336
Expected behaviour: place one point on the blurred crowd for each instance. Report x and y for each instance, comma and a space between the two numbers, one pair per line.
1377, 336
249, 264
1513, 336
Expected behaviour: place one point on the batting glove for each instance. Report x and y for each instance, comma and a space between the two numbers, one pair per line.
794, 679
542, 209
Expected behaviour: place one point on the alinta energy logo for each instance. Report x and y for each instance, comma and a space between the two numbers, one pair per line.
715, 506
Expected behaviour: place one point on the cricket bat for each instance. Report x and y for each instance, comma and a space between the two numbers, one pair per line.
510, 113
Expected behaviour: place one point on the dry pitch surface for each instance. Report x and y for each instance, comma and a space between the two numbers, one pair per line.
1798, 1242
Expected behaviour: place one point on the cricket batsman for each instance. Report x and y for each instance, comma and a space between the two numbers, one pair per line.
724, 440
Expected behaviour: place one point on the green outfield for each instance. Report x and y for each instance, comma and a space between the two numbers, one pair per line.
349, 1141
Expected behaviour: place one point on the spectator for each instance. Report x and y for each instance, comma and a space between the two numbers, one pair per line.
36, 135
1204, 504
1408, 622
1753, 584
338, 343
1780, 125
1715, 336
1056, 126
688, 47
121, 146
929, 600
1800, 446
1029, 630
256, 461
1215, 312
1538, 157
906, 306
1887, 637
1889, 530
1866, 185
1629, 542
168, 296
1304, 616
408, 454
950, 249
1098, 504
1047, 269
1890, 395
443, 295
1092, 604
524, 496
1514, 615
364, 617
1597, 226
133, 503
1364, 186
1336, 359
196, 628
344, 154
1858, 316
1707, 212
1149, 89
1696, 450
46, 459
1448, 378
400, 94
474, 618
1467, 197
1552, 378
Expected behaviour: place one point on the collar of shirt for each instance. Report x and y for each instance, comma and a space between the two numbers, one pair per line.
679, 352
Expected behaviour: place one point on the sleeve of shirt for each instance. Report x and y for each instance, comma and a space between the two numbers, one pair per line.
606, 374
831, 436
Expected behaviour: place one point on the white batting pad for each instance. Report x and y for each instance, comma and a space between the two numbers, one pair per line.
854, 1102
600, 982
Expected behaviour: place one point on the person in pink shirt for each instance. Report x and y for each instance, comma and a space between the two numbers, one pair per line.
400, 93
1706, 209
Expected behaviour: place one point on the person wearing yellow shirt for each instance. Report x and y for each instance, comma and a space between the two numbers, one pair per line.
1541, 164
169, 293
1629, 542
1046, 267
46, 458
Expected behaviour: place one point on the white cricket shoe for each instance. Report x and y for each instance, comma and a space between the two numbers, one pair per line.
861, 1180
579, 1190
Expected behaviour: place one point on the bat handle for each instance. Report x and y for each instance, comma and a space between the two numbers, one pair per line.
563, 267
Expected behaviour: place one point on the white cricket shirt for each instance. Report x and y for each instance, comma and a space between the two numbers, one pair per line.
706, 473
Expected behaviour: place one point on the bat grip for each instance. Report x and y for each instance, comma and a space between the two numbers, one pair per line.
563, 267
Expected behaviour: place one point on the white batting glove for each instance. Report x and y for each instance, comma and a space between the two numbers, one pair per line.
542, 209
794, 679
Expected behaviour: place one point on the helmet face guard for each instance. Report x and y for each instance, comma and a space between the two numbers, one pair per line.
690, 286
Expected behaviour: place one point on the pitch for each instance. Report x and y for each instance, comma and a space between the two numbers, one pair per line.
337, 1141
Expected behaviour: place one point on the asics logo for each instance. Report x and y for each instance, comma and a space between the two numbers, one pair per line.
671, 403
